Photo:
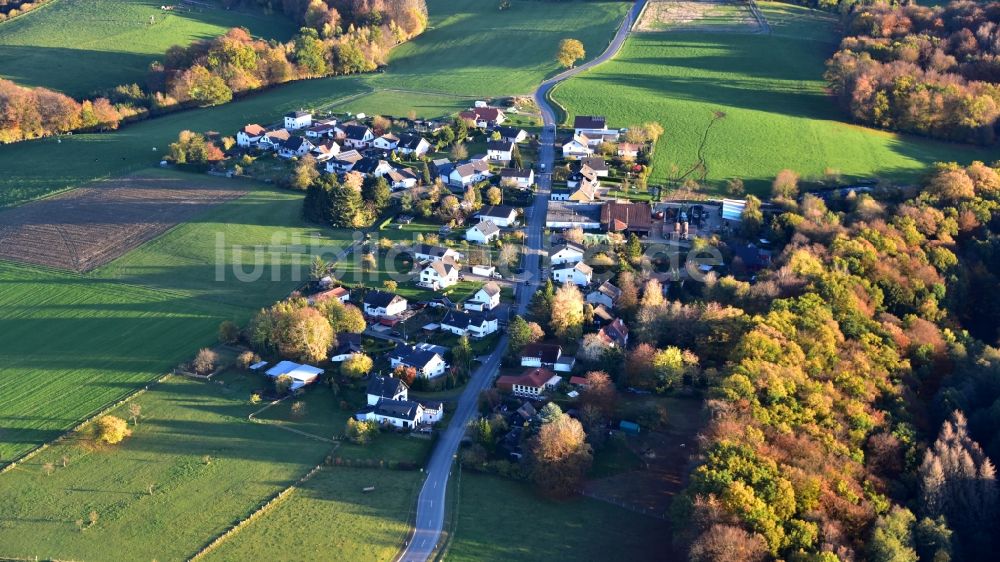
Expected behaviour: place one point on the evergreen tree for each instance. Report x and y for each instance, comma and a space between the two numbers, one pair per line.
376, 190
345, 207
425, 174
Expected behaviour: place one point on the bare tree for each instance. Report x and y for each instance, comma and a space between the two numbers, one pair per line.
135, 410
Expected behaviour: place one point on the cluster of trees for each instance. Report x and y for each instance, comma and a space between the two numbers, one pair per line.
354, 203
13, 8
337, 37
928, 70
195, 149
27, 113
295, 330
850, 359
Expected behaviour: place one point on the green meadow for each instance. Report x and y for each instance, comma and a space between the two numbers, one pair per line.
74, 343
193, 467
82, 46
771, 92
505, 520
330, 517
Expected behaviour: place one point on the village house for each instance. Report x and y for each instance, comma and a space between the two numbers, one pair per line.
412, 145
547, 355
403, 178
522, 179
469, 173
512, 134
372, 167
382, 304
628, 151
298, 120
586, 192
427, 363
301, 375
484, 117
388, 403
325, 149
326, 129
486, 298
499, 151
273, 139
483, 232
348, 344
441, 168
341, 294
503, 215
358, 136
597, 165
249, 135
343, 162
530, 384
427, 252
615, 334
578, 274
474, 324
568, 253
387, 141
439, 275
606, 294
577, 147
602, 315
627, 218
595, 128
584, 176
295, 147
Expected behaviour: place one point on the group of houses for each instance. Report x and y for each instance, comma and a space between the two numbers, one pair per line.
492, 219
499, 153
341, 147
583, 185
389, 404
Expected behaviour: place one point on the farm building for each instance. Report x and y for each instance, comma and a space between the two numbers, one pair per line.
301, 375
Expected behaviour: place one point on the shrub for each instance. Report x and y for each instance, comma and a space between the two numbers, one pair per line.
111, 430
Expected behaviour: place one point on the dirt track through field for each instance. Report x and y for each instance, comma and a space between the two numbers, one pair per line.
94, 224
700, 15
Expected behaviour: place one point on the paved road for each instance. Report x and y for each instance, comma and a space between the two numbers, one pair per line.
431, 503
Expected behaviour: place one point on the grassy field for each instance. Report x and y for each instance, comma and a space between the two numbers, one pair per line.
193, 498
76, 342
777, 114
504, 520
330, 517
81, 46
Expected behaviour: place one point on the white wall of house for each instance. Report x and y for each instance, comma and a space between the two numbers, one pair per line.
566, 255
293, 123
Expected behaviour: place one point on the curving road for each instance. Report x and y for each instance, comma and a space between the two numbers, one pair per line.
431, 502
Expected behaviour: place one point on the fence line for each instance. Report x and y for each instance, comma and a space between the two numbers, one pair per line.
621, 504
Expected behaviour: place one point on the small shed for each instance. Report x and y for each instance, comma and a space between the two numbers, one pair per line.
629, 427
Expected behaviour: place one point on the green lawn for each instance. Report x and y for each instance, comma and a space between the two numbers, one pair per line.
399, 104
777, 114
330, 518
192, 500
504, 520
82, 46
76, 342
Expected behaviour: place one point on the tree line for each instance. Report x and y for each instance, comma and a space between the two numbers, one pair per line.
933, 71
855, 416
342, 37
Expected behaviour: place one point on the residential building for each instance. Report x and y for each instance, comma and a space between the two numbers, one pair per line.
578, 274
628, 151
347, 345
568, 253
577, 147
595, 128
602, 315
503, 215
627, 218
584, 176
295, 147
358, 136
597, 165
387, 141
426, 362
522, 179
427, 252
585, 193
530, 384
382, 304
512, 134
441, 168
606, 294
326, 129
372, 167
499, 151
403, 178
341, 294
547, 355
386, 388
469, 173
273, 140
298, 120
474, 324
325, 149
615, 333
484, 117
412, 145
389, 404
486, 298
483, 233
343, 162
249, 135
439, 275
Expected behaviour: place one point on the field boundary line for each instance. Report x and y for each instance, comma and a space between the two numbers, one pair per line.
622, 505
17, 461
261, 510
